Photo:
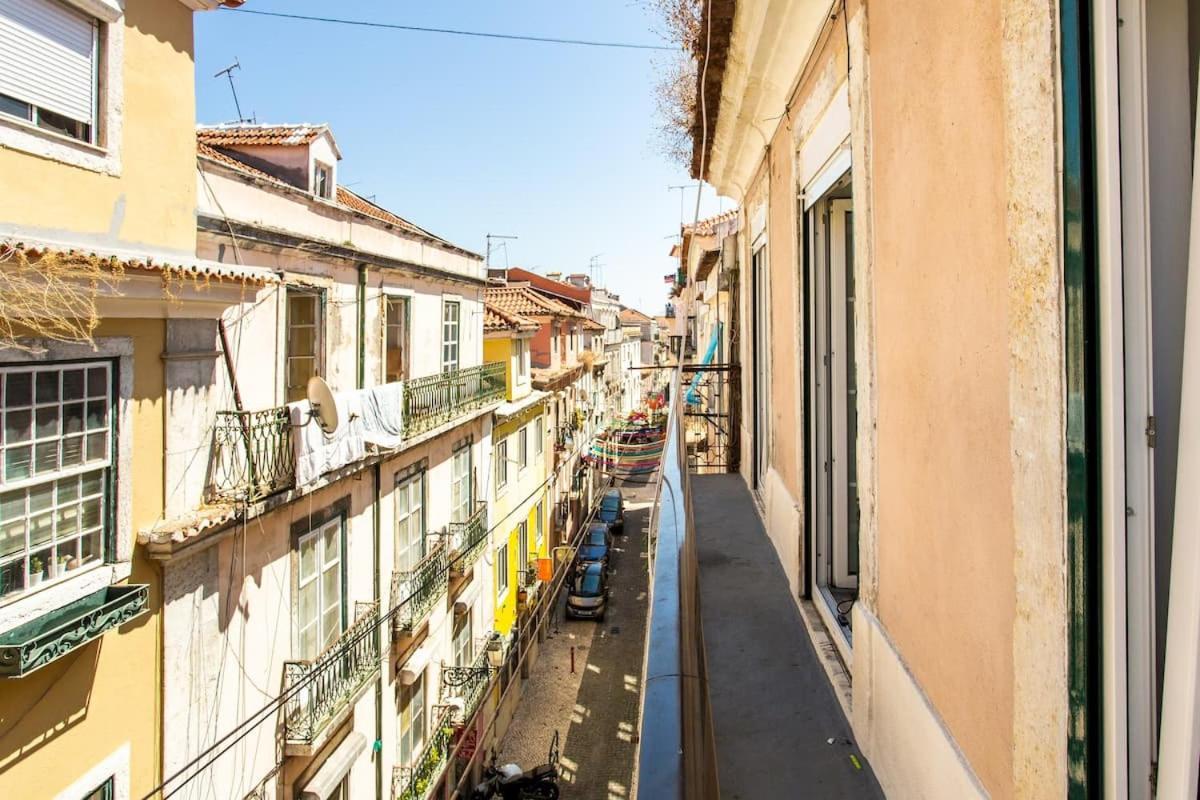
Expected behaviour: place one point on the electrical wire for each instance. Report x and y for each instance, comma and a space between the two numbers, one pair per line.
455, 32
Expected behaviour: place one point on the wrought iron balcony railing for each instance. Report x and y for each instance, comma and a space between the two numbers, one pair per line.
468, 539
252, 455
436, 399
413, 782
333, 678
468, 684
415, 591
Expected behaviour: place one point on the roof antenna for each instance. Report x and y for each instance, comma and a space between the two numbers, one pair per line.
228, 73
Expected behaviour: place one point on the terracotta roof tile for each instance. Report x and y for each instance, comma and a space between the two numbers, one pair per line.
208, 151
259, 135
193, 268
706, 227
358, 203
496, 319
523, 301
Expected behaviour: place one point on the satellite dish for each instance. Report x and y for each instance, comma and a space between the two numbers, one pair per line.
324, 406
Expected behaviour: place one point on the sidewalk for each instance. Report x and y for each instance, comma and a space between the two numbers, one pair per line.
773, 709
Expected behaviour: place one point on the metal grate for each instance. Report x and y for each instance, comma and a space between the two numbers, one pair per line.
436, 399
252, 455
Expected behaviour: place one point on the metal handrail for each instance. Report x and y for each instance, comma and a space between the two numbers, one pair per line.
467, 683
332, 678
676, 749
252, 455
468, 539
415, 591
436, 399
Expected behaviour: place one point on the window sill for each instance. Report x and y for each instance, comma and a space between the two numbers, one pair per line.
60, 592
26, 137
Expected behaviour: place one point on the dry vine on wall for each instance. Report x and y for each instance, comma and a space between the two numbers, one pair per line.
52, 295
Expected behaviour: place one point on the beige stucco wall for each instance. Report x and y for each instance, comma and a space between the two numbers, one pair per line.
151, 202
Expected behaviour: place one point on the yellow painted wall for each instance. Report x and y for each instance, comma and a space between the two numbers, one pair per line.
501, 350
506, 606
152, 201
73, 713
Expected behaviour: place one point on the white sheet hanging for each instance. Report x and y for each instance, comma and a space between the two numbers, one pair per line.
318, 452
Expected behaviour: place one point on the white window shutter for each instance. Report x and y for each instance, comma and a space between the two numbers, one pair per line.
47, 57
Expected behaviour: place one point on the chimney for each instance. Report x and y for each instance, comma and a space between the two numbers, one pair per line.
554, 276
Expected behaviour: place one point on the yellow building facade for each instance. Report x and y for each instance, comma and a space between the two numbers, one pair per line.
519, 485
100, 179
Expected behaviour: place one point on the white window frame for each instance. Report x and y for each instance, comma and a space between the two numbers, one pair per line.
460, 484
318, 327
410, 510
522, 360
540, 530
95, 395
451, 335
325, 564
462, 644
539, 435
522, 449
401, 330
523, 546
103, 154
323, 171
502, 582
410, 737
501, 464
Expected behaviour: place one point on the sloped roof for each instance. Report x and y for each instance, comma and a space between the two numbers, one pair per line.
208, 151
190, 268
551, 286
523, 301
707, 227
357, 202
496, 319
634, 316
245, 135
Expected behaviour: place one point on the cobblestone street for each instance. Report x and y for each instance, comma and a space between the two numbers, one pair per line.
594, 709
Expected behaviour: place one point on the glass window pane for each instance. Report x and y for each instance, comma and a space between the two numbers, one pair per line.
300, 370
18, 389
17, 463
93, 483
12, 577
46, 457
302, 342
41, 497
97, 382
47, 386
309, 646
72, 450
330, 594
308, 557
332, 540
73, 418
72, 384
17, 427
97, 414
91, 513
68, 490
41, 529
47, 423
90, 547
308, 604
67, 521
97, 446
302, 309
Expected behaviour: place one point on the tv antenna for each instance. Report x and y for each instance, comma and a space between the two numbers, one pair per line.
595, 268
488, 253
228, 73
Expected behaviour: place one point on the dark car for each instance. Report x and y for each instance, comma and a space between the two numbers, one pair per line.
612, 510
596, 544
588, 596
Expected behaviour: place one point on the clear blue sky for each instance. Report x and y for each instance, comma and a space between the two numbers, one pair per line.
469, 136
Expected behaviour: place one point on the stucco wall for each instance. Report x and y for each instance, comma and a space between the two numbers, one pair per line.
150, 204
63, 719
945, 513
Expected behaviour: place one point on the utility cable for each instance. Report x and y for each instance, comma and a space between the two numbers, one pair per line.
455, 32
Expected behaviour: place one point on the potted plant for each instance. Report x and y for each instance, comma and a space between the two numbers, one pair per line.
36, 568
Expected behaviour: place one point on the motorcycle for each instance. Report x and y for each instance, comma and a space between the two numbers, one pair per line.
509, 782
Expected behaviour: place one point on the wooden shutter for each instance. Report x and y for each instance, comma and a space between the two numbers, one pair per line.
48, 57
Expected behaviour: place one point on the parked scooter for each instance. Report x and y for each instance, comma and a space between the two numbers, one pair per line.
508, 782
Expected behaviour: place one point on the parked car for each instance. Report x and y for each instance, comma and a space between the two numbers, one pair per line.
612, 510
588, 596
596, 545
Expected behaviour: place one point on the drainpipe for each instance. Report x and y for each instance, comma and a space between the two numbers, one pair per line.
362, 327
379, 605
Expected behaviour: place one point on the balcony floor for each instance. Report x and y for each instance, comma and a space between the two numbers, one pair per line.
773, 708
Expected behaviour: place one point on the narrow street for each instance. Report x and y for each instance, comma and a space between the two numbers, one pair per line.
595, 708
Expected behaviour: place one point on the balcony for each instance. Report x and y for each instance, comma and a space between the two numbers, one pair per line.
437, 399
414, 782
468, 540
468, 685
36, 643
252, 455
414, 592
331, 682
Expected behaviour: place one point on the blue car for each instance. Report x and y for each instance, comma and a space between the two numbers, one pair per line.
612, 510
588, 595
596, 544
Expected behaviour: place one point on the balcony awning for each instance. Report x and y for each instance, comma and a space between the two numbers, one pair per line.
53, 635
505, 410
415, 666
323, 784
467, 599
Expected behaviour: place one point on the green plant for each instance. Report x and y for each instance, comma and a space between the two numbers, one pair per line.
36, 566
